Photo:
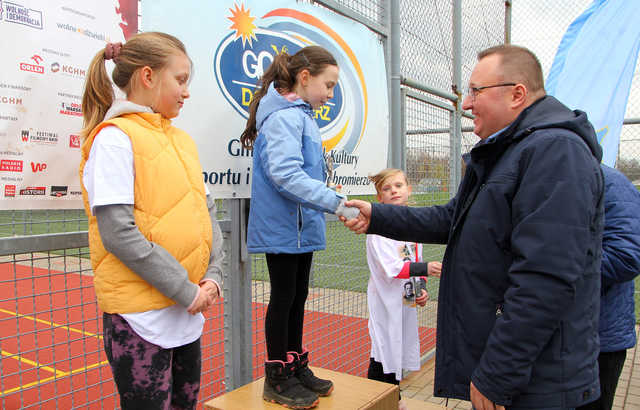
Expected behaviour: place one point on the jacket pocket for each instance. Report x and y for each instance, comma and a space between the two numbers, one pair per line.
299, 224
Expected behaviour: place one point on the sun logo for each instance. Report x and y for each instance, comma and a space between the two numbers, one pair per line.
243, 24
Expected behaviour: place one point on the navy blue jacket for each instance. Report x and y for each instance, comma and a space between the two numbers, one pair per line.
519, 293
620, 261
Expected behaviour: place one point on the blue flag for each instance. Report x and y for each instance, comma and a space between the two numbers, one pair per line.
594, 66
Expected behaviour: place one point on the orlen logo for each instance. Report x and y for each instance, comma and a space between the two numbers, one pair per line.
9, 190
11, 165
33, 68
74, 141
38, 166
242, 57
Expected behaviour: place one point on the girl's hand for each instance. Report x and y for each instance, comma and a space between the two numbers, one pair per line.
211, 288
422, 299
434, 269
202, 302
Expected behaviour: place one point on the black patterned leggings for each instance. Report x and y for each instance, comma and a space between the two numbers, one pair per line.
148, 376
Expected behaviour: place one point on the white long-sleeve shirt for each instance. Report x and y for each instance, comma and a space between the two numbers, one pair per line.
393, 320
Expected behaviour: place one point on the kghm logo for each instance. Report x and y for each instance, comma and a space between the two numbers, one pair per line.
244, 55
15, 13
10, 100
68, 70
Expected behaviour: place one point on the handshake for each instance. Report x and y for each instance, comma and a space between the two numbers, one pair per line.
346, 212
355, 214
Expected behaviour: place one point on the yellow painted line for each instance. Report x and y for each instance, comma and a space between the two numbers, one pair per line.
26, 386
89, 367
58, 373
53, 324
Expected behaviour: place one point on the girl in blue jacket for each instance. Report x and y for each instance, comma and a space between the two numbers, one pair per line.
286, 222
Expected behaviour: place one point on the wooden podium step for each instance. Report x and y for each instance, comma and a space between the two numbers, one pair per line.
349, 393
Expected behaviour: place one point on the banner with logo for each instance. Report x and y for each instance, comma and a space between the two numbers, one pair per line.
232, 42
593, 67
48, 45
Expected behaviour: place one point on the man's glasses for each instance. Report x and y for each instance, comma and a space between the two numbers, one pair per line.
474, 91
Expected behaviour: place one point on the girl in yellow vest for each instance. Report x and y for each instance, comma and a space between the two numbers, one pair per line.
156, 248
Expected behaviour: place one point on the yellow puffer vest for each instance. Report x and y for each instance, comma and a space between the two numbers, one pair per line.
170, 209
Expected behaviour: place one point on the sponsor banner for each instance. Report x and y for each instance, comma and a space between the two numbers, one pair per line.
234, 48
44, 65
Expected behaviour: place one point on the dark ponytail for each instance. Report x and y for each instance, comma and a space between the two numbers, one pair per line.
283, 71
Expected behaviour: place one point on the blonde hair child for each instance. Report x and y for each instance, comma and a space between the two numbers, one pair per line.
156, 247
396, 284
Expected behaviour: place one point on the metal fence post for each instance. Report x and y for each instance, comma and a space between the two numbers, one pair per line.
395, 141
237, 302
456, 136
508, 6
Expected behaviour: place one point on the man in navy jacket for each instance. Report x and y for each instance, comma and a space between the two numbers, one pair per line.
620, 265
519, 292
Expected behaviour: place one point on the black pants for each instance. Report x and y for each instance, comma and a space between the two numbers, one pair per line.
289, 276
611, 364
376, 372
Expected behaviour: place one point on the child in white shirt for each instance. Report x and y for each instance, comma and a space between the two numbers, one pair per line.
396, 285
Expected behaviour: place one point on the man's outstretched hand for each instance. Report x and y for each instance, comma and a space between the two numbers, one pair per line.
360, 224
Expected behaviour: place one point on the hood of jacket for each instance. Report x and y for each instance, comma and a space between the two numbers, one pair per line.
273, 101
121, 107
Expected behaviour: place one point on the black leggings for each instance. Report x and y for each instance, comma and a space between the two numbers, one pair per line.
376, 372
289, 276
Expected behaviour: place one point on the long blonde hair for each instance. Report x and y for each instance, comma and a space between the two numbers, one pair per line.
151, 49
283, 72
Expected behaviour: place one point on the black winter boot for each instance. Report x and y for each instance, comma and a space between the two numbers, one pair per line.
283, 387
306, 376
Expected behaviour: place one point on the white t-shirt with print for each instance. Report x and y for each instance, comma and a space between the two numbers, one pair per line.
393, 323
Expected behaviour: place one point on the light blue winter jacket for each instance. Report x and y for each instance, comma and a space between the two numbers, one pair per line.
288, 192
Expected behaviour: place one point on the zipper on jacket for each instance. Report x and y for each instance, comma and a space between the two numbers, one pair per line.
300, 222
499, 309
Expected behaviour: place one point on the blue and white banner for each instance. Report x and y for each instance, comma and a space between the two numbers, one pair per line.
232, 42
594, 66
